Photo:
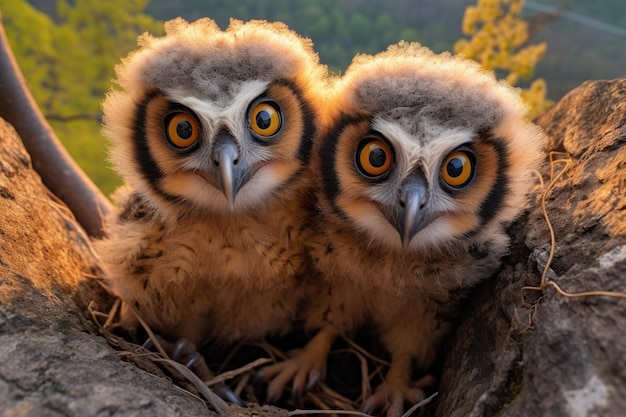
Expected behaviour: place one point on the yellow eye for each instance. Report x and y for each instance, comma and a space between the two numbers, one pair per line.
374, 157
457, 169
182, 130
265, 119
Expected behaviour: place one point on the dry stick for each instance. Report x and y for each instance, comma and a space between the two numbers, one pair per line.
336, 398
275, 353
303, 412
151, 335
243, 381
366, 387
419, 404
358, 413
365, 379
544, 282
225, 376
216, 402
360, 352
230, 356
319, 402
58, 171
364, 352
111, 316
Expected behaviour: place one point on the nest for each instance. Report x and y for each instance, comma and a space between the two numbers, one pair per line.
352, 372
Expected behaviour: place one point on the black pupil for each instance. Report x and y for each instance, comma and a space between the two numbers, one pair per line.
263, 119
455, 167
184, 130
377, 157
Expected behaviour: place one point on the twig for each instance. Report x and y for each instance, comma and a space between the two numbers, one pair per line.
544, 282
216, 402
364, 352
151, 335
419, 404
58, 171
303, 412
224, 376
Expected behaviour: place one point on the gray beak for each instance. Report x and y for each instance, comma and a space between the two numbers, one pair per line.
411, 215
229, 175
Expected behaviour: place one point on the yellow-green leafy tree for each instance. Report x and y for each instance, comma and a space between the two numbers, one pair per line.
68, 63
498, 39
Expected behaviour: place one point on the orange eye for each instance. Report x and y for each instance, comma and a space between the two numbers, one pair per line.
182, 130
373, 157
457, 169
265, 119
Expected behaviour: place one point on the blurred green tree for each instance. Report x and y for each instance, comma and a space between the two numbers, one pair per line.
69, 63
68, 56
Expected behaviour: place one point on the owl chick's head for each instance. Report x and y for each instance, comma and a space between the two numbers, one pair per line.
425, 150
214, 119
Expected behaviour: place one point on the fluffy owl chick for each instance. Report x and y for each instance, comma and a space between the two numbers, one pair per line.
211, 131
426, 160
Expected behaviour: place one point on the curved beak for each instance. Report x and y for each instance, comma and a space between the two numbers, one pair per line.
229, 173
412, 215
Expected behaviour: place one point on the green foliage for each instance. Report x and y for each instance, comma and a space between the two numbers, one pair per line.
339, 29
67, 48
499, 41
68, 53
68, 63
34, 49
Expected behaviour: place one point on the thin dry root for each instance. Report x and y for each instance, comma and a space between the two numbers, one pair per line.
544, 283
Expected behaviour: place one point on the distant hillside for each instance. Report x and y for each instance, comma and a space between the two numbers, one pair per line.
575, 52
69, 68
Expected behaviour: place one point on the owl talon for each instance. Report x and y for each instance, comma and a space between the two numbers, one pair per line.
182, 349
228, 394
193, 360
280, 375
271, 398
314, 379
375, 402
300, 370
148, 344
184, 352
296, 394
393, 400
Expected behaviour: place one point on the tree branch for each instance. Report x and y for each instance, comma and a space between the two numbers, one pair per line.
58, 171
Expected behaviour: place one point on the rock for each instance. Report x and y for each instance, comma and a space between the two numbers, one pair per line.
552, 355
52, 362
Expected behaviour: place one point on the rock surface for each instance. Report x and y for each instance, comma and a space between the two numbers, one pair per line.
547, 355
552, 355
51, 362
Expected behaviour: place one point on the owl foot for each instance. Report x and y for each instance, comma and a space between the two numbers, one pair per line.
306, 368
393, 398
301, 368
185, 352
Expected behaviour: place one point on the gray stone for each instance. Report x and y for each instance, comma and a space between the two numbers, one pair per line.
52, 362
553, 355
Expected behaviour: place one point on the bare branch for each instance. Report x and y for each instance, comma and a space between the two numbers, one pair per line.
57, 169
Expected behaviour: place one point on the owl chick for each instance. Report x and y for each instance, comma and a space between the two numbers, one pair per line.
211, 131
425, 162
